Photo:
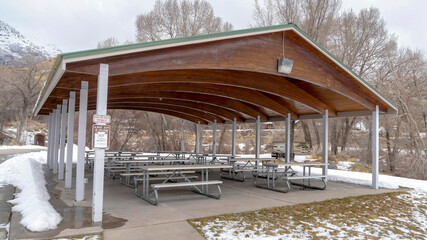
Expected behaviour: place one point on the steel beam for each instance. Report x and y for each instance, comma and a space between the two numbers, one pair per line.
80, 174
375, 147
257, 138
49, 141
325, 144
214, 138
233, 138
288, 138
70, 140
62, 139
98, 172
198, 137
56, 139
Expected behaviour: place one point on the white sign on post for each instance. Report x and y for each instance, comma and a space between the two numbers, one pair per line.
101, 118
101, 136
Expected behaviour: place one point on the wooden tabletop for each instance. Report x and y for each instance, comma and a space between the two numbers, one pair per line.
183, 167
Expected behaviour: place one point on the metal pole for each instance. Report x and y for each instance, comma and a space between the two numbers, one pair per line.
375, 147
70, 140
288, 138
257, 138
80, 174
49, 141
214, 138
56, 139
198, 137
233, 138
62, 139
98, 172
325, 145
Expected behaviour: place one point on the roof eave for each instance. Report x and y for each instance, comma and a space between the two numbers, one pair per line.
55, 74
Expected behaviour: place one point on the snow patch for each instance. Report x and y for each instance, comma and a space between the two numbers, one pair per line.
7, 227
25, 172
360, 178
344, 166
24, 147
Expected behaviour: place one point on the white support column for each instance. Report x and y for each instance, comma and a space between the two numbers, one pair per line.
375, 147
257, 138
81, 142
62, 139
288, 138
98, 171
214, 138
56, 139
198, 137
233, 138
70, 140
325, 144
49, 141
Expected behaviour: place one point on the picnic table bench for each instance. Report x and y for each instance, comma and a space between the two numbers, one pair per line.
275, 176
201, 187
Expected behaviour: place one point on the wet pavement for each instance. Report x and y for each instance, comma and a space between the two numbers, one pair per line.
77, 218
6, 194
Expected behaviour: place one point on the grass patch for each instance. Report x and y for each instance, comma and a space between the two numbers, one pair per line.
358, 167
99, 236
388, 215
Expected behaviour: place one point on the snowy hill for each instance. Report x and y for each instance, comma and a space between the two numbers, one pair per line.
13, 44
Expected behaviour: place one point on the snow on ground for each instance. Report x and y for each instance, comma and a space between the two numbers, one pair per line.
25, 172
7, 227
385, 181
75, 150
409, 222
344, 166
24, 147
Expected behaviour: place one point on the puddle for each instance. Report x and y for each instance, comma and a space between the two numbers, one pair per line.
75, 217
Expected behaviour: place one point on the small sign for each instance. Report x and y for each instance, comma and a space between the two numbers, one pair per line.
101, 136
101, 118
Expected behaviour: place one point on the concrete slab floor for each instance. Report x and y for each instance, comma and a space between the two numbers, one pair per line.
128, 217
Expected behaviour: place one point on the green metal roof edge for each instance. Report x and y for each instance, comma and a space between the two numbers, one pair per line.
169, 41
345, 66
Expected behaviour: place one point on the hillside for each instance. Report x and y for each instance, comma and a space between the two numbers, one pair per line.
13, 44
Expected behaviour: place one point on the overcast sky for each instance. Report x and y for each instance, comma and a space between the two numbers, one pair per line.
73, 25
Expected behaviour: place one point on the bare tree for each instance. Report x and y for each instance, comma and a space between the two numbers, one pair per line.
7, 97
26, 78
315, 17
174, 19
109, 42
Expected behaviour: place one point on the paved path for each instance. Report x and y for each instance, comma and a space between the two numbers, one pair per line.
6, 194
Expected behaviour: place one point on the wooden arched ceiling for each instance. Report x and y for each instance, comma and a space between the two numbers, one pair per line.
220, 80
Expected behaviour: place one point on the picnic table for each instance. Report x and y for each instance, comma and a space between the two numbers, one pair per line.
203, 158
175, 154
276, 175
201, 187
128, 164
242, 165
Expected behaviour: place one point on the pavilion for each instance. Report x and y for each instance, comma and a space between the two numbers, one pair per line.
275, 73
